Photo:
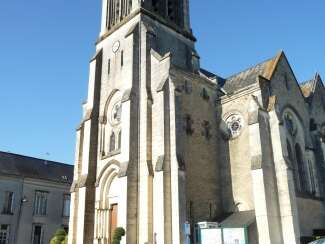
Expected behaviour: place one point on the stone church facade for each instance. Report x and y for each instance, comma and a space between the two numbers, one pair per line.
164, 142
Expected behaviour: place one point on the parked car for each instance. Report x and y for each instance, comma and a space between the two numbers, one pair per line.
320, 241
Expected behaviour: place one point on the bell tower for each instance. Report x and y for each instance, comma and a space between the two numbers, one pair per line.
126, 169
172, 12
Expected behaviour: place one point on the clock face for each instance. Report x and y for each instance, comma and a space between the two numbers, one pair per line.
116, 46
235, 124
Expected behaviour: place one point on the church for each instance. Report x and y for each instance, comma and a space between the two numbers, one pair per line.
164, 144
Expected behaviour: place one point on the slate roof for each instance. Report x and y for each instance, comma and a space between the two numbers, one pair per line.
29, 167
249, 76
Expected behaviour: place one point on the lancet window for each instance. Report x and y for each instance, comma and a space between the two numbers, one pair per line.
300, 159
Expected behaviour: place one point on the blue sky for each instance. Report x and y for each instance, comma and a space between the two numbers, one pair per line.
45, 47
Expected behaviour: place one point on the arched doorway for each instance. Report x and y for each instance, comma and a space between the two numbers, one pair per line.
108, 198
113, 203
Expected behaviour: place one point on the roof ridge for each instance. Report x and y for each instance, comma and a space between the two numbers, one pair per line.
32, 157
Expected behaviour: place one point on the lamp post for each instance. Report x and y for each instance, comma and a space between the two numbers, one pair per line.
23, 200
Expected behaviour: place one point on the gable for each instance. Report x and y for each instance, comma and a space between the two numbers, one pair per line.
283, 79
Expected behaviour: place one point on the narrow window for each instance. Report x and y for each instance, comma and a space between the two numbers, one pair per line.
293, 164
109, 67
112, 142
286, 81
155, 5
8, 203
119, 139
312, 178
122, 58
40, 203
37, 234
66, 205
4, 234
189, 124
204, 94
301, 169
170, 10
312, 125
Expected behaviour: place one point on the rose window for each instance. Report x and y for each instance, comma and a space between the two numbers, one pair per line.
235, 124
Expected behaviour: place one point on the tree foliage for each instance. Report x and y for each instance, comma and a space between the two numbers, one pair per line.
118, 234
60, 237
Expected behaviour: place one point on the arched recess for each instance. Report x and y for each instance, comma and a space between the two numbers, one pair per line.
111, 123
296, 138
108, 199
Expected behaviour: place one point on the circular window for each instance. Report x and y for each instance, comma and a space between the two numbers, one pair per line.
116, 113
235, 124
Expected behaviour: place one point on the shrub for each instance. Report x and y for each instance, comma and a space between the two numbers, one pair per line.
118, 233
59, 237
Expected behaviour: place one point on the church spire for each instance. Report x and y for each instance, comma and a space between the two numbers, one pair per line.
172, 12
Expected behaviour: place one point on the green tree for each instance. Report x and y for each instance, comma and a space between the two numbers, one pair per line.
60, 237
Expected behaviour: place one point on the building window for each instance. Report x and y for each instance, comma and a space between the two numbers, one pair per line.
4, 234
204, 94
155, 5
235, 124
109, 67
312, 125
312, 178
119, 139
301, 169
116, 113
112, 142
289, 124
286, 81
171, 9
66, 205
293, 165
37, 237
189, 124
8, 203
40, 203
206, 132
122, 58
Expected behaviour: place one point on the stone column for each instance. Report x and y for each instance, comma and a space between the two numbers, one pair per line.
87, 159
158, 154
145, 123
264, 187
177, 177
285, 183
